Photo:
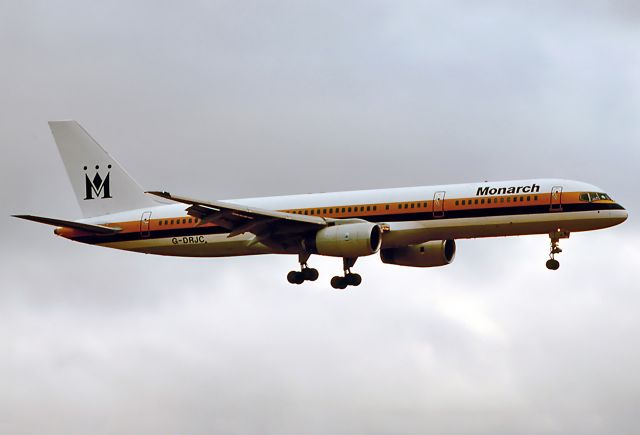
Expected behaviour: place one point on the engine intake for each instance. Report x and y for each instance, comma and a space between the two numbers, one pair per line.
429, 254
348, 240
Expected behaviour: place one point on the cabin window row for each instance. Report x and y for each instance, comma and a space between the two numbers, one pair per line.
407, 205
335, 210
502, 199
177, 221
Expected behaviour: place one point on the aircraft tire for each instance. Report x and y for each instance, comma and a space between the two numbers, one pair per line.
310, 274
339, 282
353, 279
553, 264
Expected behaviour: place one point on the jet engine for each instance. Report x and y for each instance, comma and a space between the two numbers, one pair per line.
348, 240
429, 254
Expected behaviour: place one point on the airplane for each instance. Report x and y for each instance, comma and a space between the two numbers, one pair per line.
415, 226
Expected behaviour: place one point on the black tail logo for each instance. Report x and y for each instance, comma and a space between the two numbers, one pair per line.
97, 185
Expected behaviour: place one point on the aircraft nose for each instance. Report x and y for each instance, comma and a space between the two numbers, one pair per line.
619, 215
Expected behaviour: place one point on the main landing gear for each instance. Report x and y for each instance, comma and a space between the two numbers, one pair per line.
306, 273
349, 278
552, 263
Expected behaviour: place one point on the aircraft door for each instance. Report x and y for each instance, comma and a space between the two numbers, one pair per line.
145, 222
438, 204
556, 198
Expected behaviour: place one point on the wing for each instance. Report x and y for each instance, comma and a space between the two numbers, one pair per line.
239, 219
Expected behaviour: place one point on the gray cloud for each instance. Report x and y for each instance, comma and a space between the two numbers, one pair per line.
223, 99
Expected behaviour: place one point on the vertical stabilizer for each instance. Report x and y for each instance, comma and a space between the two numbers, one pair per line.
101, 185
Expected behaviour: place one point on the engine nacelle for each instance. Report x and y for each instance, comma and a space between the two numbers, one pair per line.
429, 254
348, 240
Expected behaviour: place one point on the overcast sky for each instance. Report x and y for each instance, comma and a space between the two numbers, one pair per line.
224, 99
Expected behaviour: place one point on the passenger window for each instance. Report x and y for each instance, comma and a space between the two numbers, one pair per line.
482, 201
528, 198
413, 205
535, 198
406, 206
502, 199
463, 202
368, 208
306, 212
343, 209
495, 200
171, 221
160, 223
399, 206
457, 202
189, 220
361, 208
425, 205
521, 198
386, 207
349, 209
476, 201
374, 207
508, 199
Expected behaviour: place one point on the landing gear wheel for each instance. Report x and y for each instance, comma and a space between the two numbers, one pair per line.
339, 282
305, 274
353, 279
553, 264
295, 277
310, 274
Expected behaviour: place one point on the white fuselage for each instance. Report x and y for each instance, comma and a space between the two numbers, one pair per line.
409, 215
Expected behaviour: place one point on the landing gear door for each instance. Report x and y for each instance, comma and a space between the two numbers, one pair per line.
556, 198
438, 204
145, 222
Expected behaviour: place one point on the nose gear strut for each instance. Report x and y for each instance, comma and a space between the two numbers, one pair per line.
552, 263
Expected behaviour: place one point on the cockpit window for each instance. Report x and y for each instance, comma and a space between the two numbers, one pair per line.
594, 196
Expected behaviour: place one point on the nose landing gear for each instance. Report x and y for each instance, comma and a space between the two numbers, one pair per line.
552, 263
349, 278
306, 273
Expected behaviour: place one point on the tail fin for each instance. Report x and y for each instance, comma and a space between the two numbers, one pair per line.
101, 185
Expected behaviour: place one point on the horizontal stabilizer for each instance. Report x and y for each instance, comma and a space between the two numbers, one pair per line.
97, 229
